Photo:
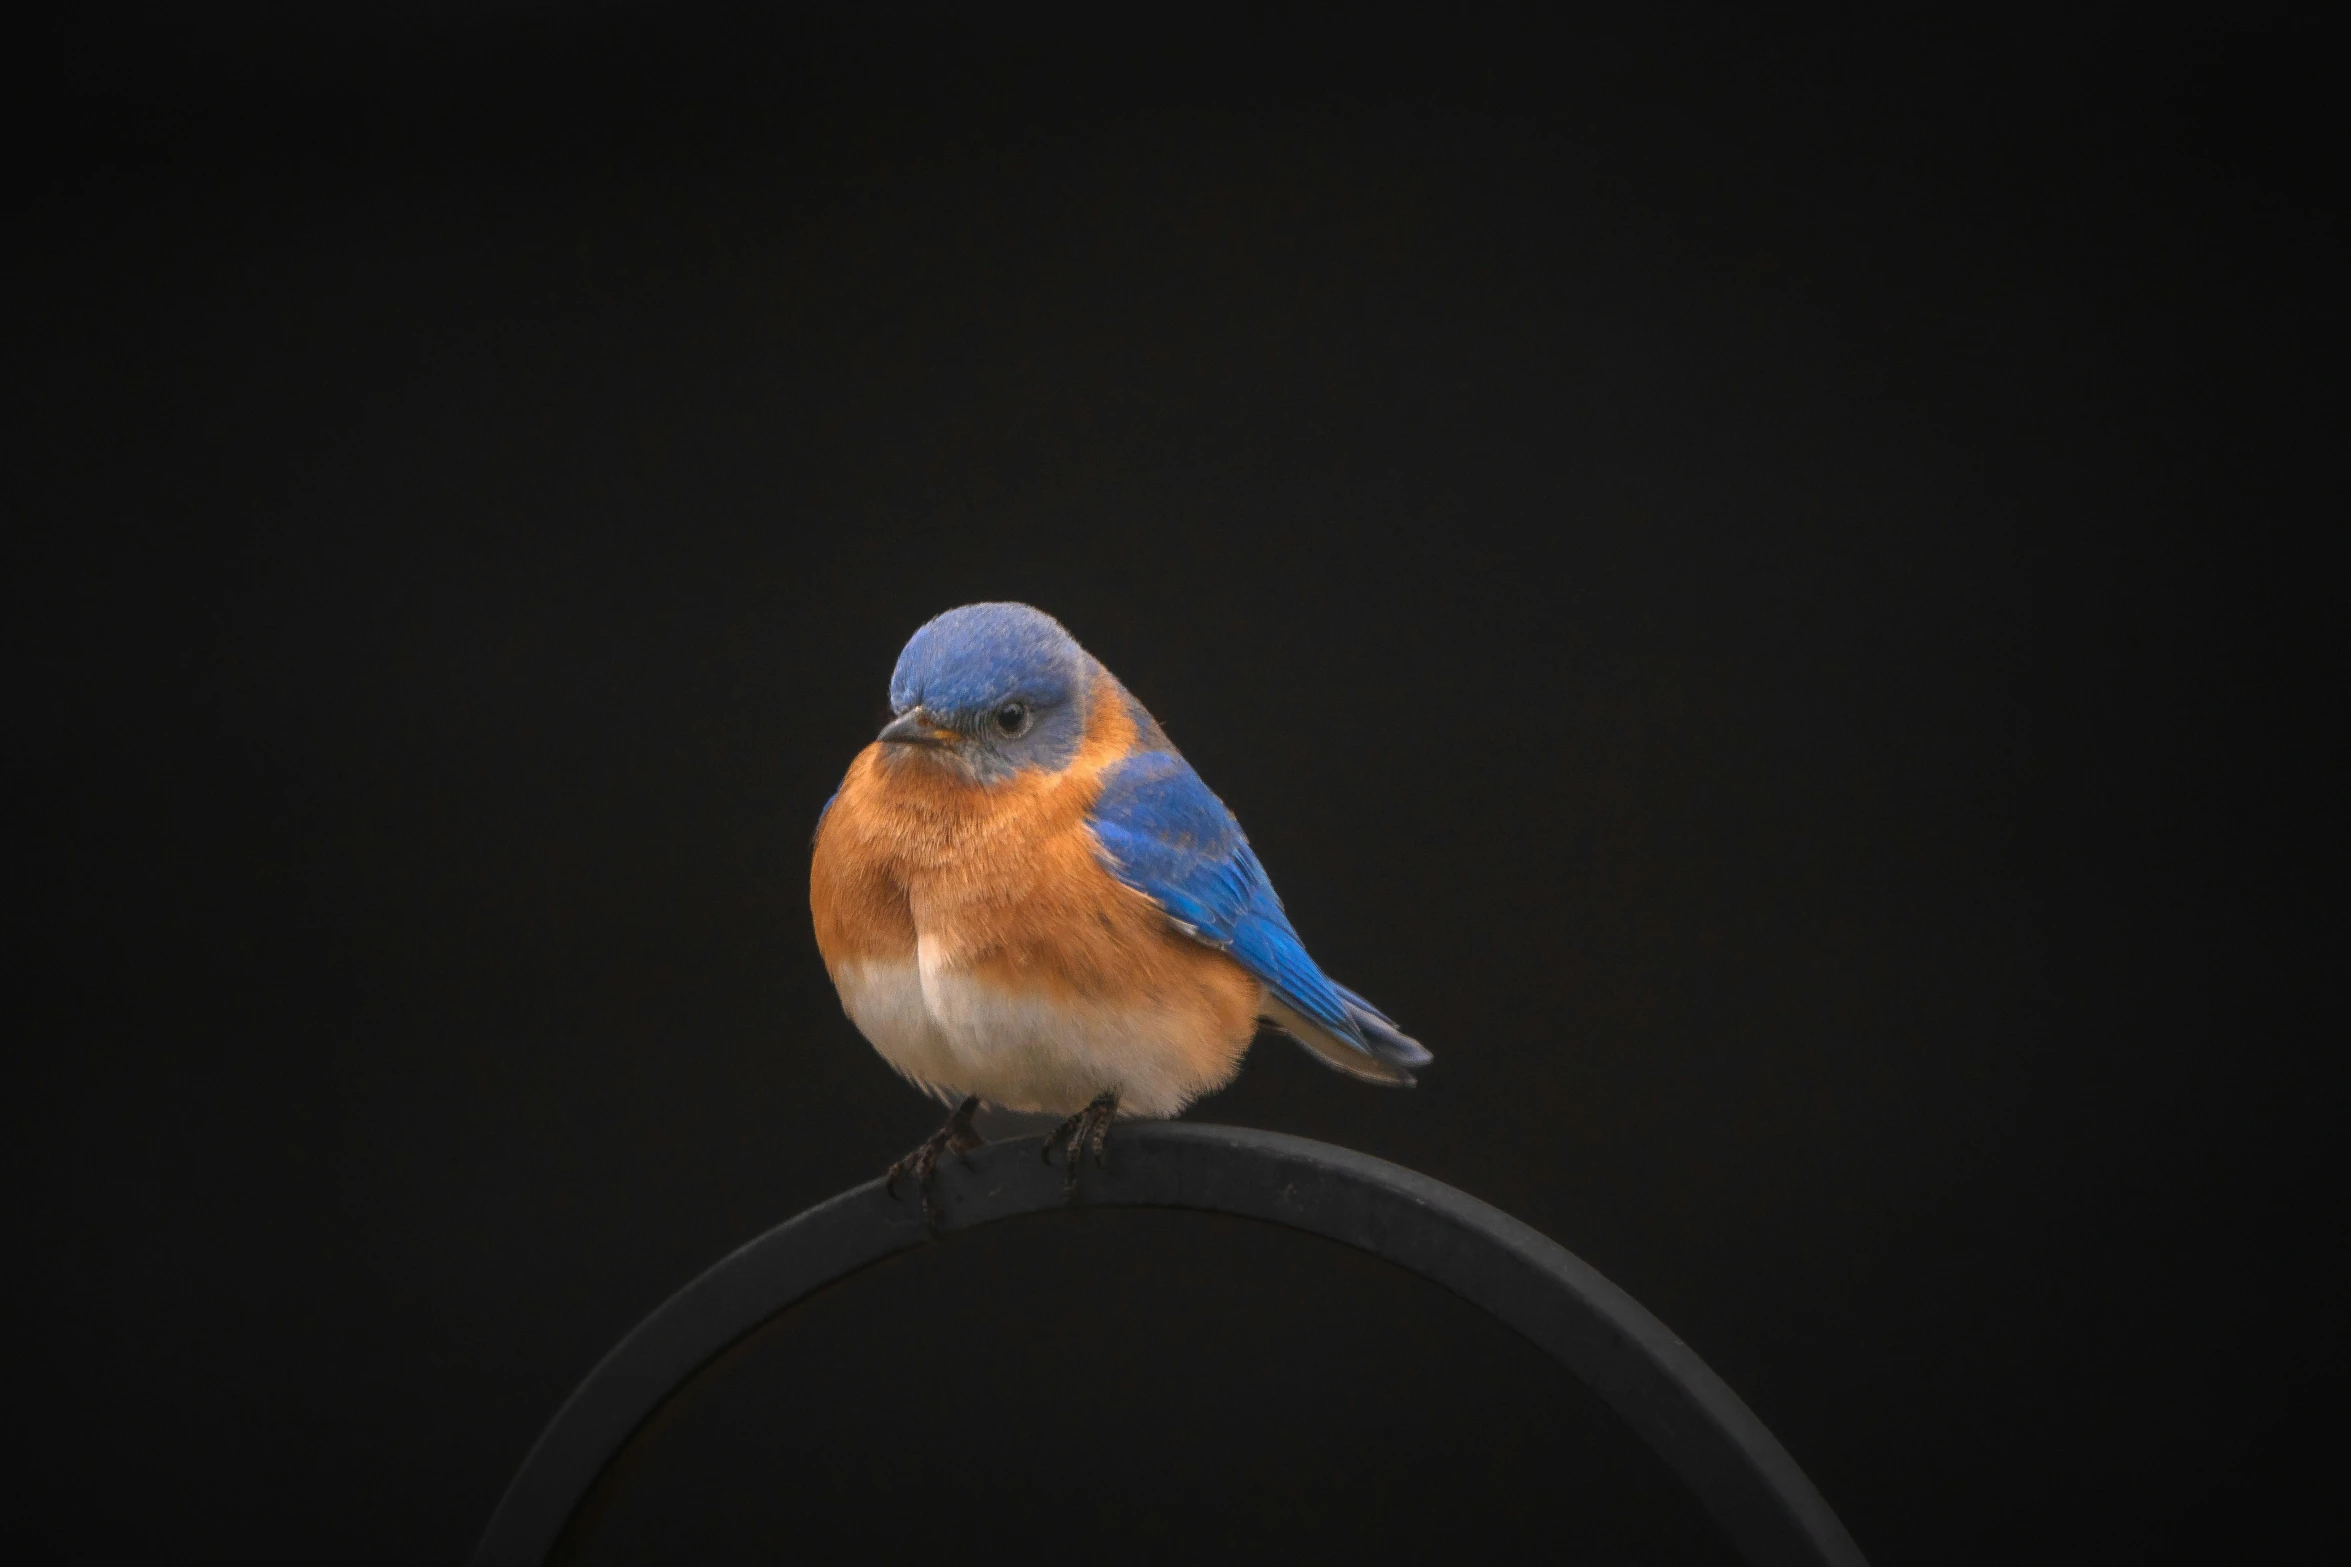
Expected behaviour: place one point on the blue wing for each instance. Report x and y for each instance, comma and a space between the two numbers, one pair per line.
1165, 835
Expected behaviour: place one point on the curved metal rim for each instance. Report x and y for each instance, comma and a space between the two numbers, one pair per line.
1688, 1415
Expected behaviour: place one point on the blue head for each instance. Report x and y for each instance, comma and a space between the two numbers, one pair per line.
990, 689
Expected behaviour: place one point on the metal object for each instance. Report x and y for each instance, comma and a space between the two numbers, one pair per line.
1737, 1469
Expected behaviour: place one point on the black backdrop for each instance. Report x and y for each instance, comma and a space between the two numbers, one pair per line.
1742, 579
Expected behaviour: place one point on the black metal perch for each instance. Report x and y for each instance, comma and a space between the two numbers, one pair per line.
1713, 1442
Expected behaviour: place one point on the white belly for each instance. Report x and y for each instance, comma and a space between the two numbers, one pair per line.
954, 1034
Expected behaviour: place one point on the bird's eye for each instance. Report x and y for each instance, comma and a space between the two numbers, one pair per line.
1012, 718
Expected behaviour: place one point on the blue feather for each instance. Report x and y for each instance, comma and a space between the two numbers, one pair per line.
1165, 835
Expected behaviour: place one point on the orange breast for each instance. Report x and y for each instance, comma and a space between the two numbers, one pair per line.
856, 890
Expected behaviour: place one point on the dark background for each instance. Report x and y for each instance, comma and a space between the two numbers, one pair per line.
1745, 579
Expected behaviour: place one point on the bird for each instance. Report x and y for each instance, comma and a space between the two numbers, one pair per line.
1027, 898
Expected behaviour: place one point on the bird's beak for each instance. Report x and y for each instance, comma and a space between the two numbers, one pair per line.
916, 727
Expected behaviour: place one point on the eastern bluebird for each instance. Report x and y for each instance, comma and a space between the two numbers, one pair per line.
1026, 897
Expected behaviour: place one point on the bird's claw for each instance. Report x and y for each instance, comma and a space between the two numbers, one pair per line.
1087, 1131
957, 1138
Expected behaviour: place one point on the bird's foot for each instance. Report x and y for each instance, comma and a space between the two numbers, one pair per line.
1089, 1129
956, 1137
